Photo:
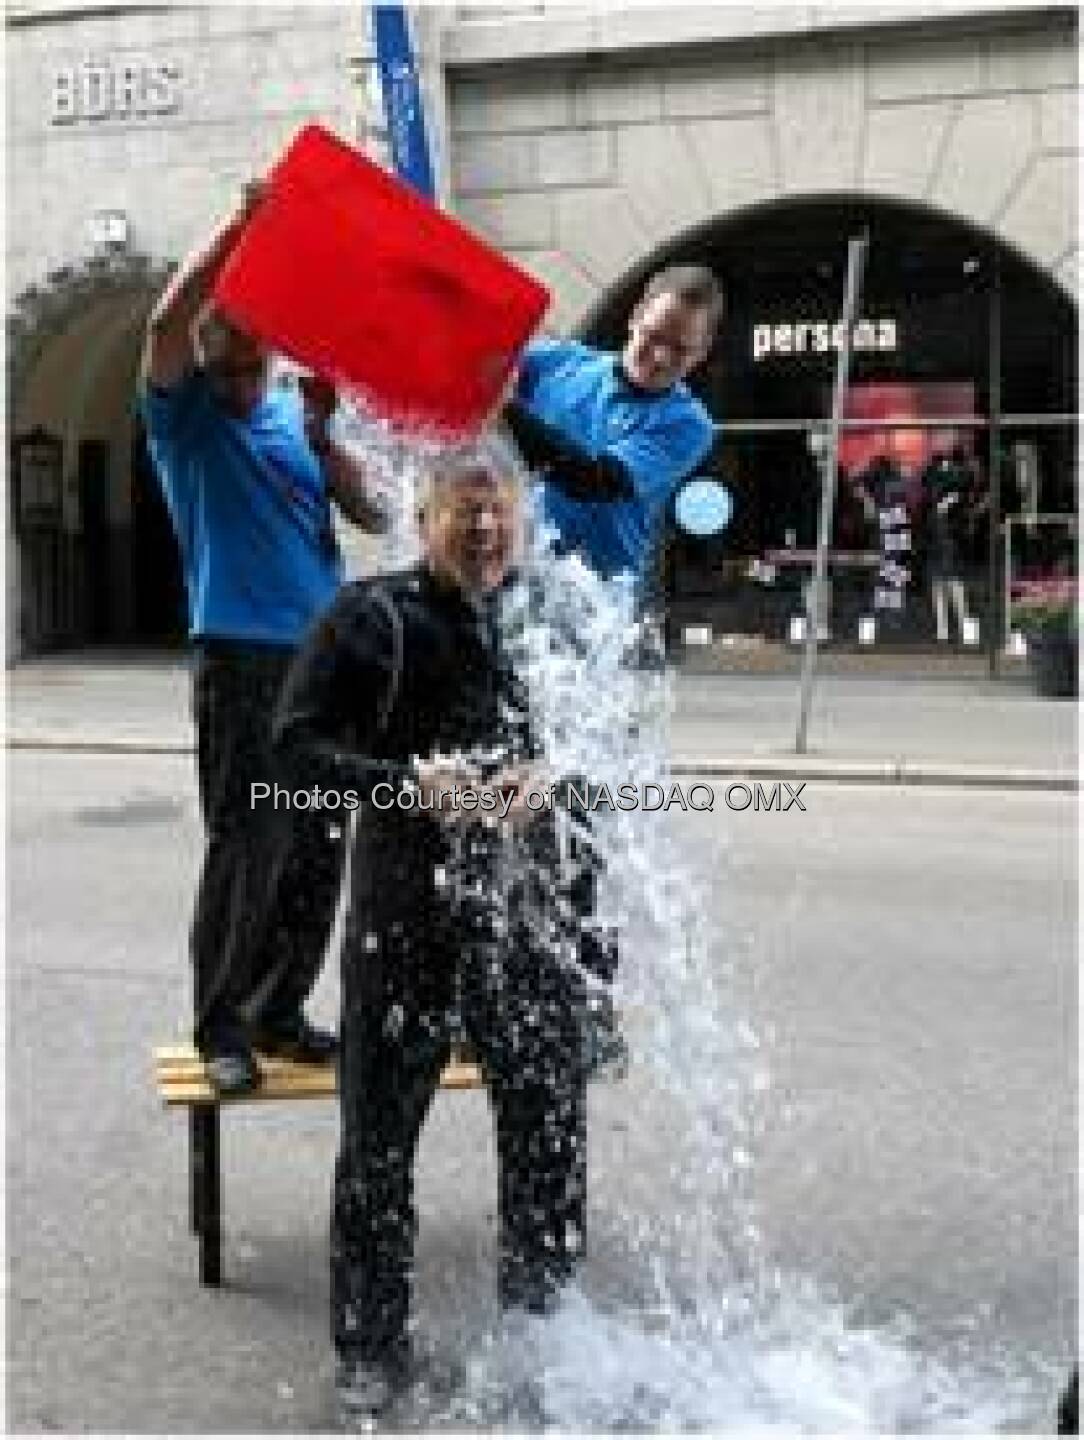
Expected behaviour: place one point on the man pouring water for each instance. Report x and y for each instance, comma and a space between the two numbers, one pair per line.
612, 436
249, 479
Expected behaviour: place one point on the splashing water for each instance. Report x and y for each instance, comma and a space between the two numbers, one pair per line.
805, 1368
702, 1333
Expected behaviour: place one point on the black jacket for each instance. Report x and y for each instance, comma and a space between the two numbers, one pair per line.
400, 668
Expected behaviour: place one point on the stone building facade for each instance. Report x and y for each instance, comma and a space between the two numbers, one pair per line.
593, 144
582, 142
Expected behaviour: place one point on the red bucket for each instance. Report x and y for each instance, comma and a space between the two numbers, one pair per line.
360, 279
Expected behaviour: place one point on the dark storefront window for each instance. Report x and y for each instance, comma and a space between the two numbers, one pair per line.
940, 384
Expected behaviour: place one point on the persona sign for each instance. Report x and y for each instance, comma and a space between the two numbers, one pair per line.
819, 337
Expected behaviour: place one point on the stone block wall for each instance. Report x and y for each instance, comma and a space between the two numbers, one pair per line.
243, 79
583, 167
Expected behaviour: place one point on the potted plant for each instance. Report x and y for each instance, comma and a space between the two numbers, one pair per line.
1047, 613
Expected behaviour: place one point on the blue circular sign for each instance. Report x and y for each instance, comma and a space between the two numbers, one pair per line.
703, 507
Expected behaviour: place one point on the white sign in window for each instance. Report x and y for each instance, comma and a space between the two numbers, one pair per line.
818, 337
697, 634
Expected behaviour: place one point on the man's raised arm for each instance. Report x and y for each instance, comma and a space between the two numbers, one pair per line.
169, 349
347, 479
569, 466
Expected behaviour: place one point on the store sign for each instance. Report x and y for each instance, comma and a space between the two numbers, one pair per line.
818, 337
114, 90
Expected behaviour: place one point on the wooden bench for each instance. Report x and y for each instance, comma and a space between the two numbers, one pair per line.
181, 1079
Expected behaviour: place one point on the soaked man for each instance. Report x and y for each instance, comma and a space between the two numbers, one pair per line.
406, 682
249, 478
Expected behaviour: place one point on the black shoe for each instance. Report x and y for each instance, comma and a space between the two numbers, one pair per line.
1068, 1418
296, 1039
366, 1389
232, 1072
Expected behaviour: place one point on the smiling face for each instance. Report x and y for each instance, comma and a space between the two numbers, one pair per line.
668, 338
472, 527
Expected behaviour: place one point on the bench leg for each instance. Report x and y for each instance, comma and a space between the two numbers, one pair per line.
206, 1191
195, 1142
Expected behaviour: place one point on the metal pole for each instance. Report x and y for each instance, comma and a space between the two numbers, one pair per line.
856, 262
994, 639
1006, 594
404, 111
1053, 419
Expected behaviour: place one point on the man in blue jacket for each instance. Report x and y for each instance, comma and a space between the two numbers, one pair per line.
612, 436
248, 478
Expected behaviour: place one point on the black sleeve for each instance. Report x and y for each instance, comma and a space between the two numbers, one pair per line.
330, 727
580, 475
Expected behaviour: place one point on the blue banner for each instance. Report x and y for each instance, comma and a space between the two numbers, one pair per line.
403, 109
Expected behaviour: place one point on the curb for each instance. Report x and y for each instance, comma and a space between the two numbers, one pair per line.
100, 745
883, 772
758, 767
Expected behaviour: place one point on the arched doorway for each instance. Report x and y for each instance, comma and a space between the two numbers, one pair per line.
965, 363
101, 566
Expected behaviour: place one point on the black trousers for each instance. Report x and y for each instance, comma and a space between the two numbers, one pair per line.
520, 1006
598, 947
270, 879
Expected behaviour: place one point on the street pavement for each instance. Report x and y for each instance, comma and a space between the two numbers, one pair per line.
946, 729
906, 954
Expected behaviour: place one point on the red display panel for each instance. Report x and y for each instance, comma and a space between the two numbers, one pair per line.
354, 275
912, 450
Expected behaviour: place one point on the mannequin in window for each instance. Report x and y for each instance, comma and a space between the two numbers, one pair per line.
855, 520
854, 530
947, 482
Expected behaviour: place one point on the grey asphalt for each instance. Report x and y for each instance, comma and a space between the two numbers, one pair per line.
907, 956
943, 728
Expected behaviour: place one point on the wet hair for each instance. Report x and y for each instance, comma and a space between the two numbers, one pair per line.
693, 285
489, 454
